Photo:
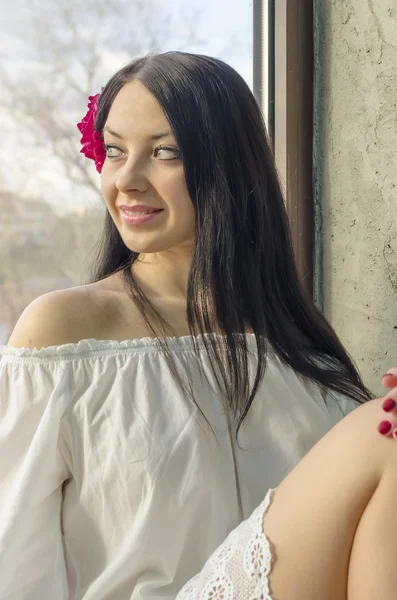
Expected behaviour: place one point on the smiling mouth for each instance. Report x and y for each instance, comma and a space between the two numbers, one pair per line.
137, 217
148, 211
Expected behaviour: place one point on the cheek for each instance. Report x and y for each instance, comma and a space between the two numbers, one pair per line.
180, 200
108, 189
184, 215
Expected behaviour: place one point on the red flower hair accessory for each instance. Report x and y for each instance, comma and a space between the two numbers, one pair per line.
91, 139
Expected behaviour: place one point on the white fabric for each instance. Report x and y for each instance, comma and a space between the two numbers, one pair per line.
239, 569
112, 485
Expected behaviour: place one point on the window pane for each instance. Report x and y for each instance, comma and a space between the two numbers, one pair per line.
53, 55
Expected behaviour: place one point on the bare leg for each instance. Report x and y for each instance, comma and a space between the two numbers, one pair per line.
332, 526
373, 562
333, 522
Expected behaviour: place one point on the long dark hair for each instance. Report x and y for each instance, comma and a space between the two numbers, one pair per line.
242, 275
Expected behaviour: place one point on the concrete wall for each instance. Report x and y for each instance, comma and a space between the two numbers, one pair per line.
356, 177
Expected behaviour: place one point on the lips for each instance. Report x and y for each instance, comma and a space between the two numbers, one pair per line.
139, 215
140, 210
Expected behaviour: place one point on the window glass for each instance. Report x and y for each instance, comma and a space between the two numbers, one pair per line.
53, 55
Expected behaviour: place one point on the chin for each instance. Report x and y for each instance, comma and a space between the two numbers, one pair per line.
144, 248
152, 242
156, 247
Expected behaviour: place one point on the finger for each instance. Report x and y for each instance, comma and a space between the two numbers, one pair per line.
388, 425
389, 379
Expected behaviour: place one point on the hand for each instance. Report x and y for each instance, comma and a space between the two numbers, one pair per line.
388, 426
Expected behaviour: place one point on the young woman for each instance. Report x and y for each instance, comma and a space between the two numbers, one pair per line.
146, 414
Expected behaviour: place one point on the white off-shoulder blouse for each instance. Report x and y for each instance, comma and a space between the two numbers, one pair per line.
113, 486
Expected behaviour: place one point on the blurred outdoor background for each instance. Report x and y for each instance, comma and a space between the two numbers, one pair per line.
53, 55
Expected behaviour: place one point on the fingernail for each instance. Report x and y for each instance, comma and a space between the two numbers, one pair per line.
384, 427
392, 372
395, 433
389, 405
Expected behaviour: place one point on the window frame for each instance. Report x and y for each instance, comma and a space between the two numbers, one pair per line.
283, 63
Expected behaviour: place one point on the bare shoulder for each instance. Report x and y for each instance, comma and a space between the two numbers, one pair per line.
55, 318
70, 315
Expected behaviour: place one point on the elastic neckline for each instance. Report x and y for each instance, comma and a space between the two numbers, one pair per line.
93, 345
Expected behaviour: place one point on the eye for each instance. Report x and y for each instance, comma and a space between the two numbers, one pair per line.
166, 153
112, 151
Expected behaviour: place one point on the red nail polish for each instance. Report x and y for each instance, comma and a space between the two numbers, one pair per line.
395, 433
384, 427
389, 405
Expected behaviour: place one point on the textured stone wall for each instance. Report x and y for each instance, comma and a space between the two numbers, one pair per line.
356, 177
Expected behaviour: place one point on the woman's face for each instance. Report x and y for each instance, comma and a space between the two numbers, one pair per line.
144, 174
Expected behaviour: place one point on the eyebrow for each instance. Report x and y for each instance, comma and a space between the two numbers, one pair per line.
156, 136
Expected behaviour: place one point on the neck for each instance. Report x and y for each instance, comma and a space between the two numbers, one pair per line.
163, 275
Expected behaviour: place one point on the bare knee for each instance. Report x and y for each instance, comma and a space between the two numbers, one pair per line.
332, 510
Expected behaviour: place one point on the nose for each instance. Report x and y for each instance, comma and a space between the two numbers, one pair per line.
132, 177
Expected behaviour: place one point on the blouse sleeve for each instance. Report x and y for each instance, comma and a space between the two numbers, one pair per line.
33, 398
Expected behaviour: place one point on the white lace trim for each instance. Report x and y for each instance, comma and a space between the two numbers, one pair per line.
239, 568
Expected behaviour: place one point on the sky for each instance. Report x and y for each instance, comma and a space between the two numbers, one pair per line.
221, 20
223, 27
